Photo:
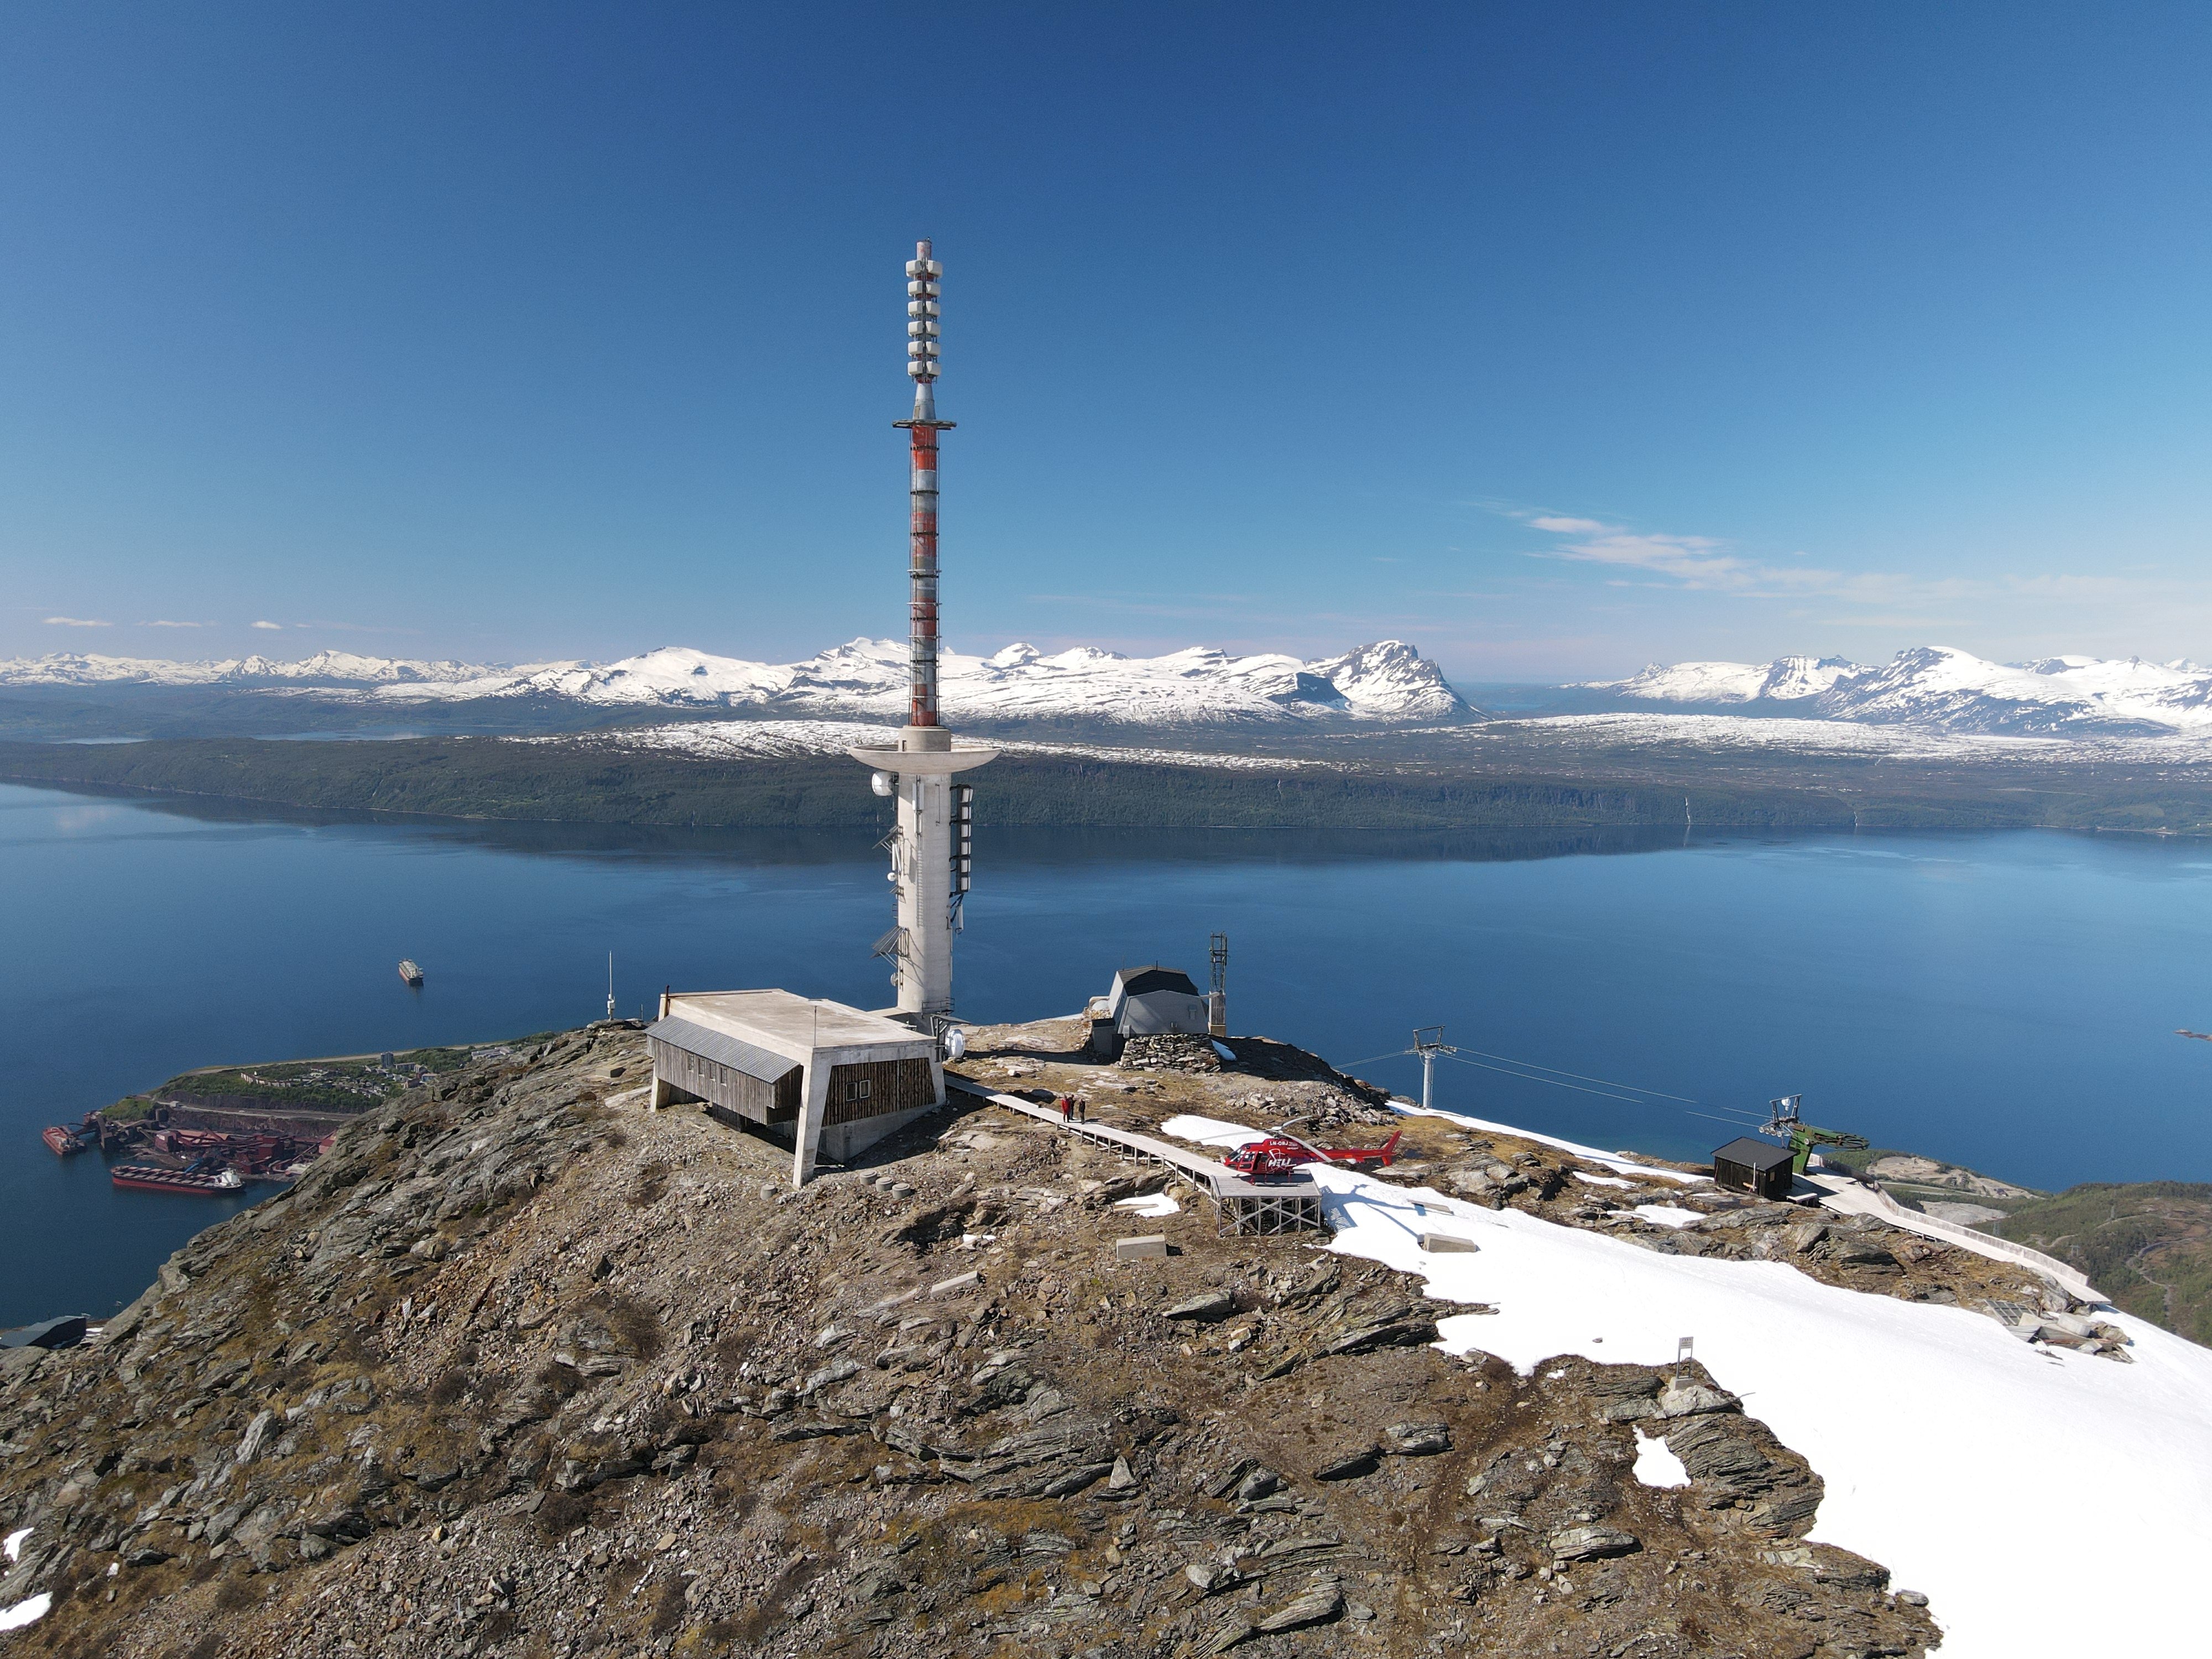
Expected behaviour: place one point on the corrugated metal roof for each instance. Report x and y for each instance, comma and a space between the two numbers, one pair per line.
1754, 1154
724, 1050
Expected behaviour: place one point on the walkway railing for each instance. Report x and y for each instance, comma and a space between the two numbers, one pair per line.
1240, 1206
1851, 1197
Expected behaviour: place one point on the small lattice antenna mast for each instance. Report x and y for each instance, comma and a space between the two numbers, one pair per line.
1216, 1005
610, 985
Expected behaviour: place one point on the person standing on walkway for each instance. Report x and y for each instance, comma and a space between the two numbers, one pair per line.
1066, 1109
1082, 1110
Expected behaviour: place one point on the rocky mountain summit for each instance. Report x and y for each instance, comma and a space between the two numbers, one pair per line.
521, 1369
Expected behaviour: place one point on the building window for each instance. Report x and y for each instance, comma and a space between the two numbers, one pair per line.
860, 1089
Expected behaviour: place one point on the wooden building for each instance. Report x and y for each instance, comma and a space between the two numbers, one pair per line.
823, 1078
1754, 1166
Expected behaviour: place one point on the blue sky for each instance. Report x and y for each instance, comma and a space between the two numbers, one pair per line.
1555, 338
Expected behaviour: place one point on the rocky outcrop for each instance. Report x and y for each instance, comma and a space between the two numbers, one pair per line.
515, 1371
1171, 1052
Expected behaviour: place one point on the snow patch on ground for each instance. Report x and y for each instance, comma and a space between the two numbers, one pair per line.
1656, 1464
1970, 1463
1667, 1215
1210, 1131
1150, 1204
1603, 1181
25, 1612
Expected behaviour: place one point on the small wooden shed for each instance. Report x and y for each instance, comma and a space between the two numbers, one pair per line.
1754, 1166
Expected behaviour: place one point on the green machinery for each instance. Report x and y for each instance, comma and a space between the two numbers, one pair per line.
1786, 1124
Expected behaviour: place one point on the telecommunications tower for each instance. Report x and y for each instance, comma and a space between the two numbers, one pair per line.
930, 848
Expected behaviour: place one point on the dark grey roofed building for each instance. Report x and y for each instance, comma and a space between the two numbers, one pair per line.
1150, 1000
1754, 1166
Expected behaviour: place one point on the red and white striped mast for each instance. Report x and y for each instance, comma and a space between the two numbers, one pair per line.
930, 849
922, 275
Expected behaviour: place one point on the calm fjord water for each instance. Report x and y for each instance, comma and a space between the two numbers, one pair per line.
2007, 1001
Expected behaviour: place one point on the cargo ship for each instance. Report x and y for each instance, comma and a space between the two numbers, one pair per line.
152, 1178
62, 1140
411, 973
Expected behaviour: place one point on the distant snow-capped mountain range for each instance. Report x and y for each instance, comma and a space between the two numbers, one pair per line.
1388, 681
1953, 690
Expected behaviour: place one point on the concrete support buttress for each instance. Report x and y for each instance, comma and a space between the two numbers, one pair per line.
814, 1103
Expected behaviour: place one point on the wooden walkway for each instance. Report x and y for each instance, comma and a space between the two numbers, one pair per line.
1239, 1205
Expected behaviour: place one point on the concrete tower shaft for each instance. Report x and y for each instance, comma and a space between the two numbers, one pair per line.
929, 857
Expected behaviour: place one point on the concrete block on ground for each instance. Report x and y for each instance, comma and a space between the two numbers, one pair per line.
1448, 1243
1146, 1247
957, 1283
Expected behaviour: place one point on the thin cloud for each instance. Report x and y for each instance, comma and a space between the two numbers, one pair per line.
318, 626
273, 627
76, 622
165, 624
2015, 604
1705, 564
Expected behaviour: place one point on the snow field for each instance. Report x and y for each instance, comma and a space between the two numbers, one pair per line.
2048, 1502
31, 1610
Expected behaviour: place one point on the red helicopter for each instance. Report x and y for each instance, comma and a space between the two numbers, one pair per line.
1278, 1156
